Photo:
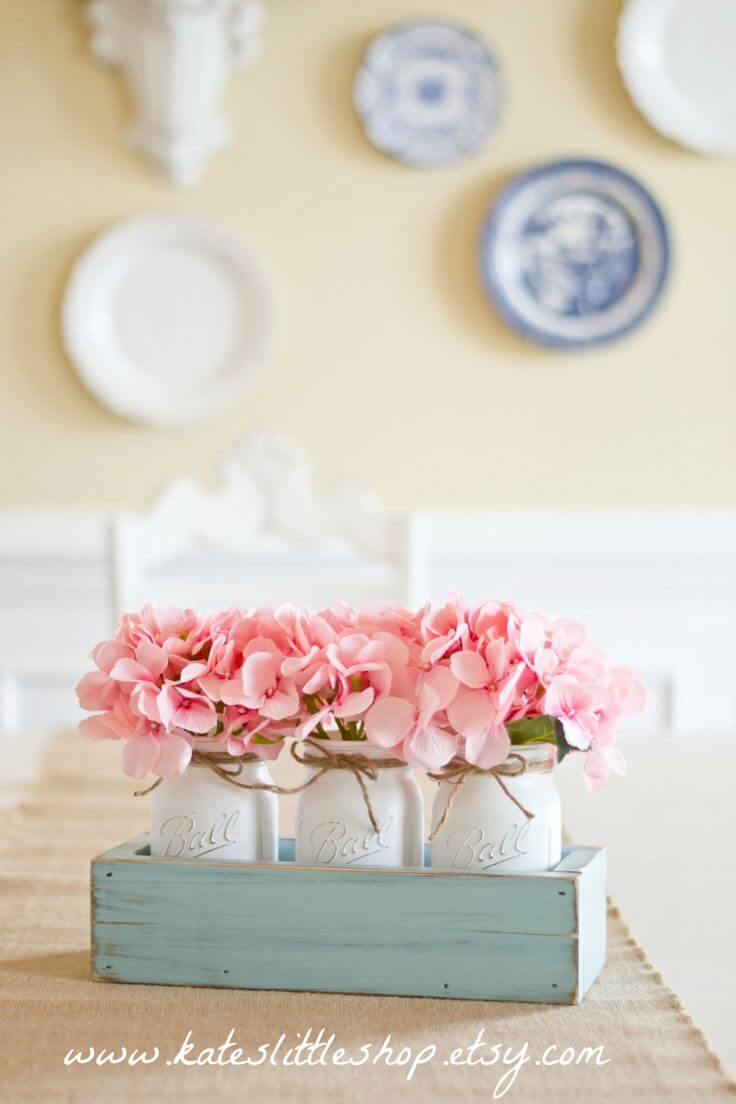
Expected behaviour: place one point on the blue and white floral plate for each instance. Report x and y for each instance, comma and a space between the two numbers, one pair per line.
574, 253
428, 93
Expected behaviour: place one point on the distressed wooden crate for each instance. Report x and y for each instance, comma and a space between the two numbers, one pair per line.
412, 932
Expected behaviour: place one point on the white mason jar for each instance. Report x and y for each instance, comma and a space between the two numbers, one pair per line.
485, 831
201, 816
333, 827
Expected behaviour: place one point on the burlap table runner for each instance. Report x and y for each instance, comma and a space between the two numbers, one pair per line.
49, 1004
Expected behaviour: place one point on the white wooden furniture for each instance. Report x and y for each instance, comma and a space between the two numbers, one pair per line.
265, 534
54, 605
656, 591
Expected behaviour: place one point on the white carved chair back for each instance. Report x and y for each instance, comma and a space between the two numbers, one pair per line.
264, 534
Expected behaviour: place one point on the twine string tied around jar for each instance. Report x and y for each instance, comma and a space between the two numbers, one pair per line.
362, 767
216, 762
458, 770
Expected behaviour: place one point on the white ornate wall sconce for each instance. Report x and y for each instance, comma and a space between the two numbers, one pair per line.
176, 56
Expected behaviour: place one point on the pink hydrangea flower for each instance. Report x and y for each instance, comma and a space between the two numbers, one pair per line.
575, 704
347, 662
152, 747
426, 685
411, 726
260, 685
444, 628
181, 708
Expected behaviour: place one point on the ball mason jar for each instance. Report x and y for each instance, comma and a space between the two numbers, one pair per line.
201, 816
333, 827
485, 831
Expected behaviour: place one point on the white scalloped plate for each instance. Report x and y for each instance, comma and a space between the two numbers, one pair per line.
678, 61
167, 319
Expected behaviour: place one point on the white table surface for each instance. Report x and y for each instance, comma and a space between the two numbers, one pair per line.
668, 827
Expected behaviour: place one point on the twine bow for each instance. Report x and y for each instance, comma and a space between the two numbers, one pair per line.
215, 761
457, 771
361, 766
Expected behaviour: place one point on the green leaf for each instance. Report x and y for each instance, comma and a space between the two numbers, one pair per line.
310, 700
539, 730
562, 746
533, 730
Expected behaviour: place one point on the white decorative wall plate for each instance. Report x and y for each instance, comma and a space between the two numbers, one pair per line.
167, 319
428, 93
677, 60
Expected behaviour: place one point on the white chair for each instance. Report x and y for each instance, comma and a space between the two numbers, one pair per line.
264, 534
657, 591
54, 605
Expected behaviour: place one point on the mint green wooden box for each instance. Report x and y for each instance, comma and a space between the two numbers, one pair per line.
412, 932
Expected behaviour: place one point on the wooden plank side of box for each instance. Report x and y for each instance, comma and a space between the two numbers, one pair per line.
592, 910
408, 932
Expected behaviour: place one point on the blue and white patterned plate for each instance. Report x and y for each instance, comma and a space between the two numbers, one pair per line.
574, 253
428, 93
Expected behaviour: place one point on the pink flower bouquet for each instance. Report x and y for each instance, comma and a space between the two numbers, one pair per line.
428, 686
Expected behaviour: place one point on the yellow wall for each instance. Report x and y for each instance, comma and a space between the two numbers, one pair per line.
390, 366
